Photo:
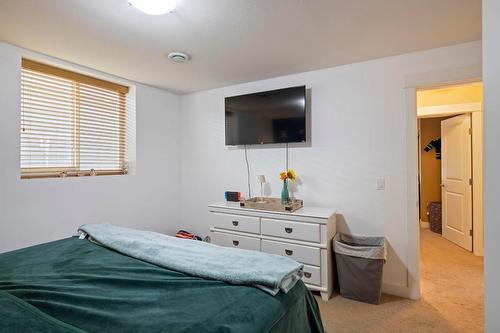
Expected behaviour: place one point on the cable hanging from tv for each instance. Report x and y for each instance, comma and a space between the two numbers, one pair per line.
248, 173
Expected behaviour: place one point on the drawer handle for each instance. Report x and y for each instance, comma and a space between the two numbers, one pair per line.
288, 230
307, 275
236, 243
235, 223
288, 252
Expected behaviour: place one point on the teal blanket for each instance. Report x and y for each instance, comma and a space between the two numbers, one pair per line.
73, 285
271, 273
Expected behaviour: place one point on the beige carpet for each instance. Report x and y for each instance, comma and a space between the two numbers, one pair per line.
452, 297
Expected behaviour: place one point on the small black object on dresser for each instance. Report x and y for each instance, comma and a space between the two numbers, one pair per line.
232, 196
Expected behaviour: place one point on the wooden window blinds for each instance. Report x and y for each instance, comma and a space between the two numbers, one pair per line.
71, 124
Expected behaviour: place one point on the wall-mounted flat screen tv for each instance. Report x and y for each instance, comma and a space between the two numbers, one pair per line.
276, 116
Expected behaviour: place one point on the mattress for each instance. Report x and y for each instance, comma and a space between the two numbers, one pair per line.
73, 285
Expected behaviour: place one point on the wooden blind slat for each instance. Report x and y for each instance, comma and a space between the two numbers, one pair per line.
30, 108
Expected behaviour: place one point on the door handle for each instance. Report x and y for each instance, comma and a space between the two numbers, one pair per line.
307, 275
288, 230
236, 243
235, 223
442, 185
288, 252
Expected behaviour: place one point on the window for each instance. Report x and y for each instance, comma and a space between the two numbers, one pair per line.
71, 124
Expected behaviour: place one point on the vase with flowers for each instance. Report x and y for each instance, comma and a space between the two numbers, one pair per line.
285, 176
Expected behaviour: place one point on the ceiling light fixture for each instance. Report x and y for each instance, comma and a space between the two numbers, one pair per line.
154, 7
178, 57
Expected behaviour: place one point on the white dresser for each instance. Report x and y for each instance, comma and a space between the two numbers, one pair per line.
304, 235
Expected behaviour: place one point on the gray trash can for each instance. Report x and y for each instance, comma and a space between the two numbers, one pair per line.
360, 262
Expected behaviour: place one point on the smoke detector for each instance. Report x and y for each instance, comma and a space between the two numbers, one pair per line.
178, 57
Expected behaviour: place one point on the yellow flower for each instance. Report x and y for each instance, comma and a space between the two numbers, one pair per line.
290, 174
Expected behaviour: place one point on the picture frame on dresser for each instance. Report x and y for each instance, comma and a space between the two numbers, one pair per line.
304, 235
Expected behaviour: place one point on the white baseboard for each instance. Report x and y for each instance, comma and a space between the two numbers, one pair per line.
396, 290
424, 224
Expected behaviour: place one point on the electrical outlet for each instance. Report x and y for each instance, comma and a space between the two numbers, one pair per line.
380, 184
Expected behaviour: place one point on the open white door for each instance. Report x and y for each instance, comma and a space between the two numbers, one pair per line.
456, 173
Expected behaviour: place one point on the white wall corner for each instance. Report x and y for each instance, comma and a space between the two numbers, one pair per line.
491, 54
397, 290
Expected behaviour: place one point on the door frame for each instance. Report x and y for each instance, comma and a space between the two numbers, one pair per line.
475, 110
419, 81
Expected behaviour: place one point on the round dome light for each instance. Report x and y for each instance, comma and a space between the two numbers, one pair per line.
154, 7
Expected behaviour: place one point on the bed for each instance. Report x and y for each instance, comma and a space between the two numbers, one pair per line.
74, 285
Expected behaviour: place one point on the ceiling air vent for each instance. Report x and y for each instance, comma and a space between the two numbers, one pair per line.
178, 57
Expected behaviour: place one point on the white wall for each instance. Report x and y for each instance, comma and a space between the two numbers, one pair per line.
40, 210
491, 76
358, 134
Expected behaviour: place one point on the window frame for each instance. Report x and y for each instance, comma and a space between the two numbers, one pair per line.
78, 79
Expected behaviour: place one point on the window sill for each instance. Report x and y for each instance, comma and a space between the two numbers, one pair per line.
67, 174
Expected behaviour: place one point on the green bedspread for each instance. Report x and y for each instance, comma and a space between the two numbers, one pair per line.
73, 285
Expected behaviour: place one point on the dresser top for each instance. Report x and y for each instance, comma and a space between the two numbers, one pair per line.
306, 211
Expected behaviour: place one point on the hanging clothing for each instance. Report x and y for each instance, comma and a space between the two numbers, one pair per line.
434, 144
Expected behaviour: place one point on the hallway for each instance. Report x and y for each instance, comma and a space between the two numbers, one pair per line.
452, 281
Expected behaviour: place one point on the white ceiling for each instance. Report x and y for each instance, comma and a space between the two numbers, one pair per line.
233, 41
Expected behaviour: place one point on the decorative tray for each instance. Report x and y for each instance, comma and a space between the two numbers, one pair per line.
272, 204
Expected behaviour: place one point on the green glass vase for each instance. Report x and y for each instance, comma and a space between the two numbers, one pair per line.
285, 196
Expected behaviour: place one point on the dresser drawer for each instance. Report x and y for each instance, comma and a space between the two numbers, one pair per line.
304, 254
312, 275
294, 230
240, 242
237, 223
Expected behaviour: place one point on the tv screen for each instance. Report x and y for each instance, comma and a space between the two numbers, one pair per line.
275, 116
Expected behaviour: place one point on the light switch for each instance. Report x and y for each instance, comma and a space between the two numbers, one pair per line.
380, 184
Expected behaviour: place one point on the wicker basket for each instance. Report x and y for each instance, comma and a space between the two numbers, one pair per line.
435, 219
